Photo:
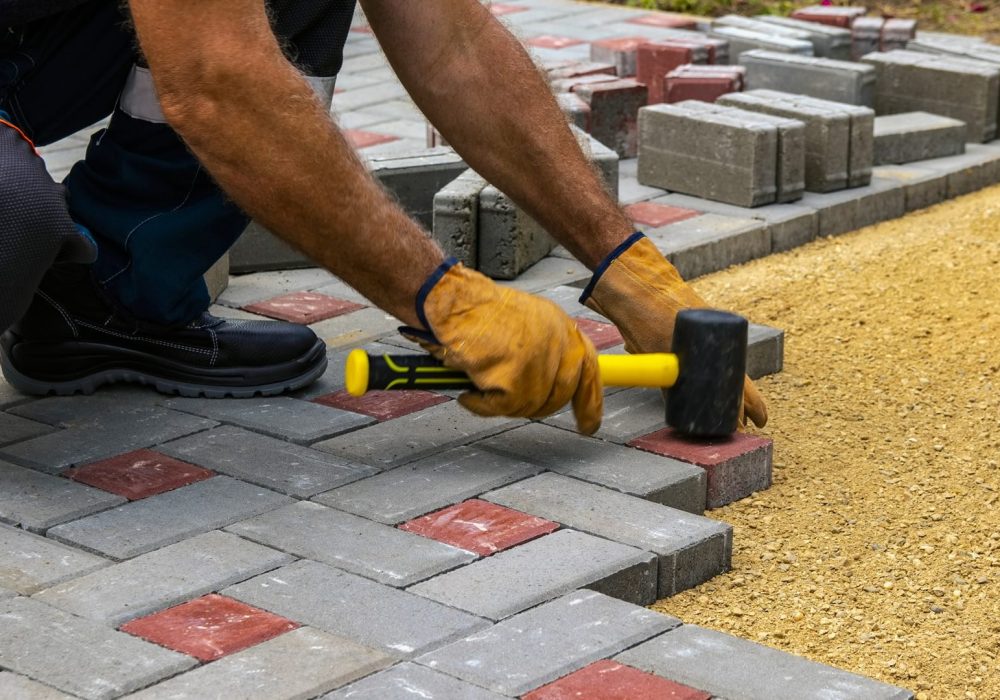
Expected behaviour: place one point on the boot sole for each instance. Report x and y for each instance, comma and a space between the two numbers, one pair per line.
89, 383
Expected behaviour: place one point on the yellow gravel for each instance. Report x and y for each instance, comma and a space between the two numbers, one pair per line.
877, 550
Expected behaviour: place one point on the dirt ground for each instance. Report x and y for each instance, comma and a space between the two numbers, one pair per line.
878, 548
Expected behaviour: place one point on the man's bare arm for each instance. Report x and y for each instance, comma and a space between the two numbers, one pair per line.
256, 126
476, 83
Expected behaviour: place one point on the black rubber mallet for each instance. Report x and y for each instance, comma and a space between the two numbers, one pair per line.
703, 374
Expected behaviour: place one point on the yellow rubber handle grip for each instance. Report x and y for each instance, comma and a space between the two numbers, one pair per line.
650, 370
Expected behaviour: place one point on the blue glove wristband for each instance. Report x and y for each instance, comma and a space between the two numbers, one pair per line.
606, 263
425, 289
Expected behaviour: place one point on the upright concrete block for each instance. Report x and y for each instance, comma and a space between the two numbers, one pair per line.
866, 36
897, 33
456, 217
614, 108
217, 277
712, 155
827, 79
619, 52
960, 88
828, 41
765, 351
657, 58
415, 177
510, 241
743, 40
913, 136
861, 154
577, 111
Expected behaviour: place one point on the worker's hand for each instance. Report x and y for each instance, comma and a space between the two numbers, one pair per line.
641, 292
526, 357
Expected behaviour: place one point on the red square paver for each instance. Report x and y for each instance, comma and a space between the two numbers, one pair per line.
736, 466
383, 405
608, 680
602, 335
481, 527
363, 139
303, 307
209, 627
549, 41
139, 474
666, 19
499, 8
658, 215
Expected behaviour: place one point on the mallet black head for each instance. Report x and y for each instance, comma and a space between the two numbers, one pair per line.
711, 349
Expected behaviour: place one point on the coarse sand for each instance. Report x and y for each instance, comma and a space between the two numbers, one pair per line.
877, 549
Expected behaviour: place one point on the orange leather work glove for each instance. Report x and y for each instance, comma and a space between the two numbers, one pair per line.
526, 357
641, 292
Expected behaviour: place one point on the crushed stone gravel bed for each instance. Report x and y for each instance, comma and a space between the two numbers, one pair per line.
877, 549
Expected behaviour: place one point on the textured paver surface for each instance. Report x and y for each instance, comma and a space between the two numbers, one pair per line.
321, 545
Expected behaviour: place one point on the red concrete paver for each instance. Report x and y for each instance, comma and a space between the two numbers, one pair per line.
303, 307
833, 15
549, 41
655, 59
658, 215
209, 627
665, 19
602, 335
609, 680
383, 405
481, 527
363, 139
138, 474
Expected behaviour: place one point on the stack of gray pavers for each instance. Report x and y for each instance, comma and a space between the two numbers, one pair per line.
827, 41
960, 88
721, 153
838, 137
827, 79
481, 227
741, 40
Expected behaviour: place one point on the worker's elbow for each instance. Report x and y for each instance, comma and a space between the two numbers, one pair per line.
190, 112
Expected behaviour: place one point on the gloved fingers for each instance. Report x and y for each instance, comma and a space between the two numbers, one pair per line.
588, 401
754, 406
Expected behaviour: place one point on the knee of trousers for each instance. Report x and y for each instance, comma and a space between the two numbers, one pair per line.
34, 225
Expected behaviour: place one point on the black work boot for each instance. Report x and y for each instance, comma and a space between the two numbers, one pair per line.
72, 340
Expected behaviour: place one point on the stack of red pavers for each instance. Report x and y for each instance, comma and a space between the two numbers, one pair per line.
656, 59
704, 83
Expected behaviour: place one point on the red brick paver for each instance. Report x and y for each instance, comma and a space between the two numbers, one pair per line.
303, 307
608, 680
658, 215
548, 41
139, 474
481, 527
602, 335
383, 405
363, 139
209, 627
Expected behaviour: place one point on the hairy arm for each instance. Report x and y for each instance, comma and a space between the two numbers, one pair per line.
479, 87
256, 126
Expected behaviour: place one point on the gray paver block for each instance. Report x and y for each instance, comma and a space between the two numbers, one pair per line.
543, 569
298, 664
456, 217
163, 578
627, 414
847, 210
708, 243
827, 136
104, 435
428, 484
37, 501
142, 526
549, 272
414, 177
963, 89
414, 436
388, 555
691, 548
827, 41
332, 379
15, 687
29, 563
714, 155
743, 40
790, 225
257, 249
765, 351
274, 464
408, 681
510, 241
551, 641
282, 417
217, 277
88, 411
15, 429
652, 477
400, 623
922, 187
828, 79
576, 110
356, 328
730, 667
79, 656
975, 169
614, 107
913, 136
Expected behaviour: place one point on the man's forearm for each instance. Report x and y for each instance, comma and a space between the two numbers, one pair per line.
476, 83
256, 126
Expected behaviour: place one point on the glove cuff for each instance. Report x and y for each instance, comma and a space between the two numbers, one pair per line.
427, 333
606, 263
